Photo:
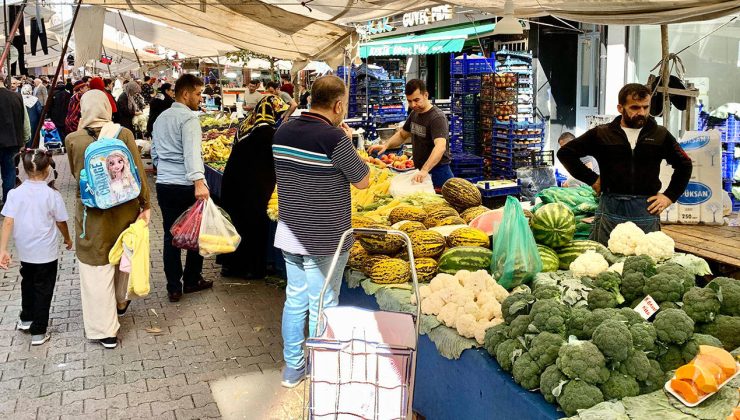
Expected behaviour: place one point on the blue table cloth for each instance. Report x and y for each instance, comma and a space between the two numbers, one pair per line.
471, 387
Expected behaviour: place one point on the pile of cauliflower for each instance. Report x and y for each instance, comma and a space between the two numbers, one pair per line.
468, 302
628, 239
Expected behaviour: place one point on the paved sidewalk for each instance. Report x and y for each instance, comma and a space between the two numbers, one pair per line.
214, 354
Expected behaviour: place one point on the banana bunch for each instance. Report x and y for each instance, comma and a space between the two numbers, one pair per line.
272, 206
381, 213
379, 184
215, 150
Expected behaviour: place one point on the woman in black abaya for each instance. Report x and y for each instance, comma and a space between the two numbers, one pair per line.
248, 183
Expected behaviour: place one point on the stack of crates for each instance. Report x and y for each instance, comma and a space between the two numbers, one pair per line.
516, 145
730, 135
465, 165
465, 85
384, 99
350, 74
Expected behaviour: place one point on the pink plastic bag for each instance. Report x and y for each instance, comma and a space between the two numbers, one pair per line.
186, 228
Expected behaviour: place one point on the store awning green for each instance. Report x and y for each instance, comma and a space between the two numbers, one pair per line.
437, 41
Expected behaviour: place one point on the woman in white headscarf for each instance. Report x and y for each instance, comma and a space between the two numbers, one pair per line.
102, 285
33, 108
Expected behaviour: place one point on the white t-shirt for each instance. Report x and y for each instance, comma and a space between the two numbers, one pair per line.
35, 209
251, 99
632, 135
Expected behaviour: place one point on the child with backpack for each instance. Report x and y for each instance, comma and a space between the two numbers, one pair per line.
36, 215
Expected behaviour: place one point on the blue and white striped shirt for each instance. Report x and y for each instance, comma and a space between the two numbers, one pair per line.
315, 164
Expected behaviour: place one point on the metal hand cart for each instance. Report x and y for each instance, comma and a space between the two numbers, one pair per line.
362, 363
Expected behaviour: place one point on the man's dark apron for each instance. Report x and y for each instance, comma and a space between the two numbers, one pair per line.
617, 208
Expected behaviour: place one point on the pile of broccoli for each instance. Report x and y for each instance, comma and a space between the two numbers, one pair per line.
579, 356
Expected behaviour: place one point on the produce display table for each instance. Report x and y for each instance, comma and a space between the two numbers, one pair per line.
471, 387
716, 243
213, 178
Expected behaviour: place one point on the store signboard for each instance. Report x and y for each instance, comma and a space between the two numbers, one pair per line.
407, 47
427, 16
379, 26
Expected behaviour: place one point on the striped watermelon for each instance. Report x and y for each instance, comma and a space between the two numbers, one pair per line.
574, 249
550, 259
471, 258
553, 225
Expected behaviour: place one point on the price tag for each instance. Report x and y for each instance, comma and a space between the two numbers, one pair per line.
647, 307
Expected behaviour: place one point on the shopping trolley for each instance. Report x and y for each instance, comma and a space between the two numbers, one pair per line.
362, 363
50, 138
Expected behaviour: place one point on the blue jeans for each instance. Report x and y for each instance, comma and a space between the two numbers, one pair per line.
440, 174
306, 275
7, 168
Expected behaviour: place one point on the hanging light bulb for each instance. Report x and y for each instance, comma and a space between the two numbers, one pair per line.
509, 24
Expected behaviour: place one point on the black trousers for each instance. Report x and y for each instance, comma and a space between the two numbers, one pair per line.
19, 40
37, 289
38, 35
174, 200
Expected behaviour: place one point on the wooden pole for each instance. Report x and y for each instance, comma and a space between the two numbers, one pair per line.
665, 76
53, 83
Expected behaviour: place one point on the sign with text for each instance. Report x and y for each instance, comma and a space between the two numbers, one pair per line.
427, 16
647, 307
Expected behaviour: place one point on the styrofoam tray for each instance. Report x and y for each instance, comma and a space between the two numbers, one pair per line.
688, 404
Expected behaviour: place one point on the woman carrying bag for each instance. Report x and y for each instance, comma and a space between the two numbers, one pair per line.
102, 285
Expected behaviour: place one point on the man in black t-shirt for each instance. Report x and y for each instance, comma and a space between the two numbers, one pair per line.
429, 131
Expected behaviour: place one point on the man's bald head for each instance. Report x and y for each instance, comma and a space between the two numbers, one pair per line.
326, 91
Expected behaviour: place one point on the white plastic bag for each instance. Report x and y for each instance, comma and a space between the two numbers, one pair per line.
217, 234
404, 184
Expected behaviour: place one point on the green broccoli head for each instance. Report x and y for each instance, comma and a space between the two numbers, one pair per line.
637, 365
673, 326
598, 316
582, 360
577, 395
548, 291
642, 264
495, 336
544, 348
619, 386
516, 304
507, 352
526, 372
614, 340
632, 316
701, 304
691, 348
576, 323
632, 286
676, 270
726, 329
729, 289
550, 315
664, 287
519, 326
611, 281
670, 357
668, 305
599, 298
551, 379
643, 336
655, 378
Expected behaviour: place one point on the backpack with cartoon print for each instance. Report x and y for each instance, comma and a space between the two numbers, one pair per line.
110, 177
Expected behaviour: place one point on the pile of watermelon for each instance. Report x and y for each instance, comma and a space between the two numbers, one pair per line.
582, 201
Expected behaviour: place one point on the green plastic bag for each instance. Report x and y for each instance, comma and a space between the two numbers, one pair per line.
515, 257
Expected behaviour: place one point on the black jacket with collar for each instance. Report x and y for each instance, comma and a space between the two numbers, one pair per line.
624, 170
12, 119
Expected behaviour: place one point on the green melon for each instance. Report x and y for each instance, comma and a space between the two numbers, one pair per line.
574, 249
550, 259
553, 225
461, 193
471, 258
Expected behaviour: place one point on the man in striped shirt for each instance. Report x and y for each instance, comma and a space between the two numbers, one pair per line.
315, 163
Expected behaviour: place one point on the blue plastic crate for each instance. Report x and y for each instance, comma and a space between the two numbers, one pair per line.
498, 192
729, 164
727, 185
465, 65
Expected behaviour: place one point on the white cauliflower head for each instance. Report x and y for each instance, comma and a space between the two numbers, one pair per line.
424, 292
624, 238
617, 267
466, 325
590, 264
657, 245
483, 326
448, 314
440, 281
490, 310
432, 305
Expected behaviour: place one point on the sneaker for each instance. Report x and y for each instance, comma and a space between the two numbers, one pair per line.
39, 339
110, 342
23, 325
293, 377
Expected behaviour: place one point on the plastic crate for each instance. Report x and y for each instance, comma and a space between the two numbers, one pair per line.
729, 164
465, 65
